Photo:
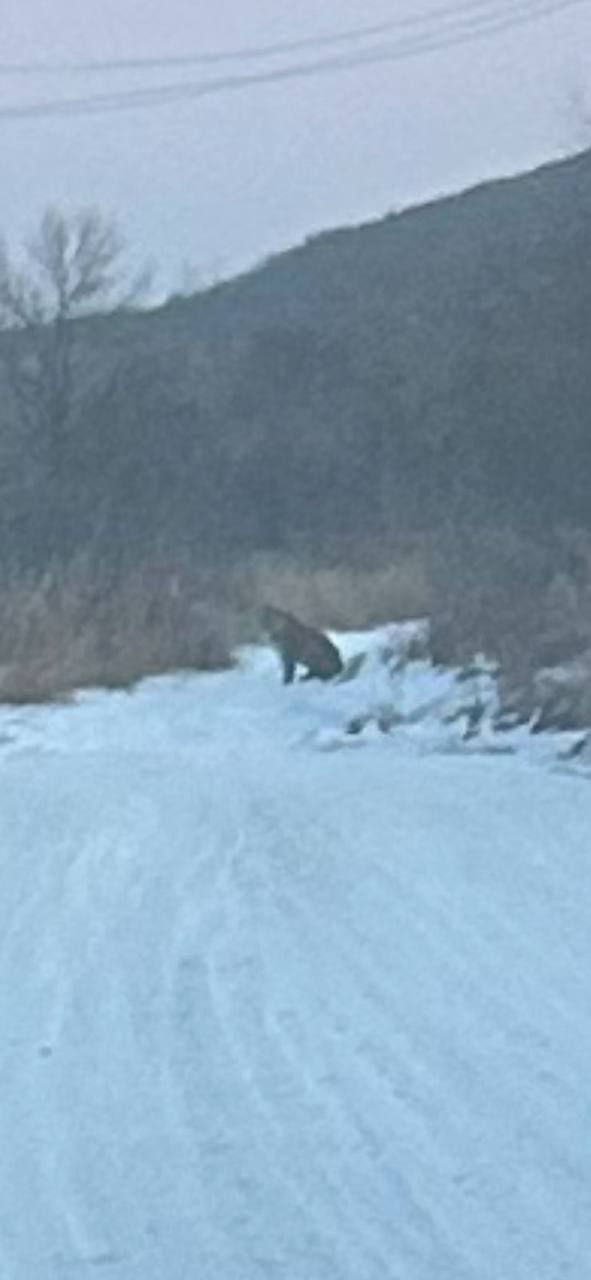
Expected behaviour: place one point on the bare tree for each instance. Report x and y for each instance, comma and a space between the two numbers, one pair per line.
73, 266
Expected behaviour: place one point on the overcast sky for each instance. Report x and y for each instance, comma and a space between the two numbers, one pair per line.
208, 186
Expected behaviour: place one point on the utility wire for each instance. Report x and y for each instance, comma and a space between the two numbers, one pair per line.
401, 51
352, 35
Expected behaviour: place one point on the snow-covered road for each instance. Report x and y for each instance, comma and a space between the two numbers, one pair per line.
271, 1008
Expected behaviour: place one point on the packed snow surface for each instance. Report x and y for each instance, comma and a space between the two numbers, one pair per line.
280, 1001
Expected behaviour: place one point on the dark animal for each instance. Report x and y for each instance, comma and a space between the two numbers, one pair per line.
298, 644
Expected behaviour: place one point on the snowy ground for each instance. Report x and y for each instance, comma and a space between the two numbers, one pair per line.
278, 1001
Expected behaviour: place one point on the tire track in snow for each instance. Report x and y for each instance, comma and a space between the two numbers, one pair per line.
322, 925
347, 1124
239, 986
229, 987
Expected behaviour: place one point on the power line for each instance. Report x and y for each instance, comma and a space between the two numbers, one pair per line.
165, 95
442, 13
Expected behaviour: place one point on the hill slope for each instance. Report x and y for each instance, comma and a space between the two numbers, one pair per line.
376, 378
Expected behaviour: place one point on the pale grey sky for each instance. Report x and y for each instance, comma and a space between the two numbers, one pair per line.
218, 182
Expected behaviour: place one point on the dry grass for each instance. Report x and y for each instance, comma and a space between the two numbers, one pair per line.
337, 596
74, 628
78, 626
525, 604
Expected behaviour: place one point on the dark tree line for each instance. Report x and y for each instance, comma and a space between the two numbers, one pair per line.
431, 369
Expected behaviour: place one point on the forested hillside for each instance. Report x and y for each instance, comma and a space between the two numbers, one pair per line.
374, 379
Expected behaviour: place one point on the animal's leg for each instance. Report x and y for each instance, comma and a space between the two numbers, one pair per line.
289, 667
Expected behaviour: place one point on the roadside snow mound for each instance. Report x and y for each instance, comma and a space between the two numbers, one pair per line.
391, 690
387, 697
